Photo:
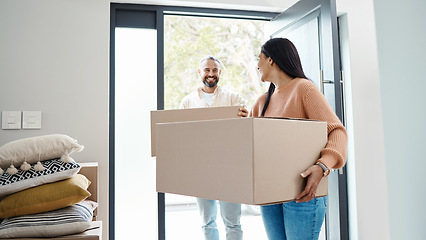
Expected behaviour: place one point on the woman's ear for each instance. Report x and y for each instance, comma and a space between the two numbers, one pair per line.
270, 62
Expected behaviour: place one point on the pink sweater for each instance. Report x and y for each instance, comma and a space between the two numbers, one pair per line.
301, 99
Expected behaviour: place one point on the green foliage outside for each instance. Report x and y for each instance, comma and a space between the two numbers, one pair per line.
236, 43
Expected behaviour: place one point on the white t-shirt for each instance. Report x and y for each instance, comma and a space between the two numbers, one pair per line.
208, 97
220, 98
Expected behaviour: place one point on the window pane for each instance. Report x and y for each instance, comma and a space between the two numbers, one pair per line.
136, 96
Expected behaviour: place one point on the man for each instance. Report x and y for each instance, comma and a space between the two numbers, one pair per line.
212, 95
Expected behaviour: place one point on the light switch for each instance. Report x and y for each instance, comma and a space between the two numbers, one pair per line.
10, 120
31, 120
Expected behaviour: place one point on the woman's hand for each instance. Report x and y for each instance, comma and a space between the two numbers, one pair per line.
243, 112
314, 175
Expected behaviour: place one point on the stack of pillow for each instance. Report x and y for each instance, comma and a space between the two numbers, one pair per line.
41, 192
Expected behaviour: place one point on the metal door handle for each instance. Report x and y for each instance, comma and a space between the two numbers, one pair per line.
322, 81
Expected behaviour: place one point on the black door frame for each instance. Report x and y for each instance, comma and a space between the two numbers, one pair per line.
152, 17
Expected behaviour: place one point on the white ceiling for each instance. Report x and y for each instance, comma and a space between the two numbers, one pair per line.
250, 5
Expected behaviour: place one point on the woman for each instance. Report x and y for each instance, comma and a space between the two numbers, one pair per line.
292, 95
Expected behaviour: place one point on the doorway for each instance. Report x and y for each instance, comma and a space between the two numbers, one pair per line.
141, 220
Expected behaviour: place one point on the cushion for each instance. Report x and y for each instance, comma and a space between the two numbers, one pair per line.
36, 149
54, 170
46, 197
70, 220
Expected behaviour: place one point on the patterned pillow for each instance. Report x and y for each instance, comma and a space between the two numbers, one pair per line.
54, 170
70, 220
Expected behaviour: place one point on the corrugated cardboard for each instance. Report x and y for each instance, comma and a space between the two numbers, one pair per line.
190, 114
243, 160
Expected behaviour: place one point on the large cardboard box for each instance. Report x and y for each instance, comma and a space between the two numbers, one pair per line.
190, 114
243, 160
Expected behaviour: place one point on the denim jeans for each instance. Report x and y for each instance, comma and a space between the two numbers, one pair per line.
294, 221
231, 214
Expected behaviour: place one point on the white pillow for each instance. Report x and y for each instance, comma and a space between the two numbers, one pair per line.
36, 149
54, 170
70, 220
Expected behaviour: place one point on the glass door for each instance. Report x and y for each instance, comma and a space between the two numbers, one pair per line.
133, 200
312, 26
135, 97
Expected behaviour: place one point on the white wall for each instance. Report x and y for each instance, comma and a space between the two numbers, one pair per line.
368, 145
401, 41
54, 58
387, 64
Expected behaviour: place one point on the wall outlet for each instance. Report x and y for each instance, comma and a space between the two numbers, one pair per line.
31, 120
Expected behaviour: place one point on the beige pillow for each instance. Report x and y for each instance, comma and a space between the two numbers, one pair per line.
36, 149
47, 197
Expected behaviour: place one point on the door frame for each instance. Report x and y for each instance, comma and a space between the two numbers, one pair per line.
152, 16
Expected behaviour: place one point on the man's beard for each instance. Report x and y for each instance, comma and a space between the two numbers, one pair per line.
210, 85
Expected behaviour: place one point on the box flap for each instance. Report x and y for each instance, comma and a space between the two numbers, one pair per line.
190, 114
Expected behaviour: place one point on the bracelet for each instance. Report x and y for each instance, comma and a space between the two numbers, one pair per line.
324, 168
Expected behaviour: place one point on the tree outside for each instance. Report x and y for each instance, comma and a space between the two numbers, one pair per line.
236, 43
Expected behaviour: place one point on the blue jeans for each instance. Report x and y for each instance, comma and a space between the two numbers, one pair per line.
230, 212
294, 221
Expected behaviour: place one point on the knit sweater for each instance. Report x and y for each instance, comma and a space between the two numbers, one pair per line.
301, 99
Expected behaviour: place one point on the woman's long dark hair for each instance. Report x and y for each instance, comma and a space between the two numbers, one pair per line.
285, 55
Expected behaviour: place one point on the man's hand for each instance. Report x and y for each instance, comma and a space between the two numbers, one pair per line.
243, 112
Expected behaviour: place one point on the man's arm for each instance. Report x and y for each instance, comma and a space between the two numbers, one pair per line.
184, 103
239, 101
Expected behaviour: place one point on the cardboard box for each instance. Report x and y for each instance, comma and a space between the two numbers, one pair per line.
190, 114
243, 160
